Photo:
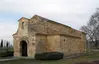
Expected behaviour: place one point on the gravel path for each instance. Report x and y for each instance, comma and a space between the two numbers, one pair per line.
7, 59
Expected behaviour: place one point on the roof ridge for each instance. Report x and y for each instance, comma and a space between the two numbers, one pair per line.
51, 20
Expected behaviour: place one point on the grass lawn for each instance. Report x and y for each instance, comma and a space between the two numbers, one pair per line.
84, 58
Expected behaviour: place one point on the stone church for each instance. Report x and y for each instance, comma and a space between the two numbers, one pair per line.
38, 34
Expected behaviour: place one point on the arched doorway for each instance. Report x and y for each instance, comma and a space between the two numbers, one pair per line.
23, 49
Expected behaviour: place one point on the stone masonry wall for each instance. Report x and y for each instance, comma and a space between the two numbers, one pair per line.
53, 42
41, 43
71, 45
43, 35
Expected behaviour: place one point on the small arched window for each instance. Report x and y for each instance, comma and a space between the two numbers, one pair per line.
64, 39
22, 25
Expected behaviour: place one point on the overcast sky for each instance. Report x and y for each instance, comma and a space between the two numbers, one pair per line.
74, 13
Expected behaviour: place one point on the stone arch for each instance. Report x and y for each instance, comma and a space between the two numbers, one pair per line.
24, 38
24, 46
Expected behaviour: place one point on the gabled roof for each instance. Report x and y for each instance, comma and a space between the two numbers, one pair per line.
23, 18
53, 30
48, 20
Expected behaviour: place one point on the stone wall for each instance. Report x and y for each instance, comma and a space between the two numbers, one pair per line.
53, 42
71, 41
23, 27
41, 43
43, 35
47, 43
71, 45
60, 43
51, 27
16, 47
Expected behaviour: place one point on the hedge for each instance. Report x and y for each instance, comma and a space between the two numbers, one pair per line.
49, 56
6, 54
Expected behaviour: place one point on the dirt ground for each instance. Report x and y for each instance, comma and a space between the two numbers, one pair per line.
93, 62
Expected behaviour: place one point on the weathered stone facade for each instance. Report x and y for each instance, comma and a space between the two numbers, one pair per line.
39, 34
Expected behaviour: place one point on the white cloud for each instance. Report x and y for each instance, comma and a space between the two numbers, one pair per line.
7, 30
48, 6
70, 12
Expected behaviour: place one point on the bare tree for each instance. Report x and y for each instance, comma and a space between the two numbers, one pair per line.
7, 44
92, 28
1, 45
